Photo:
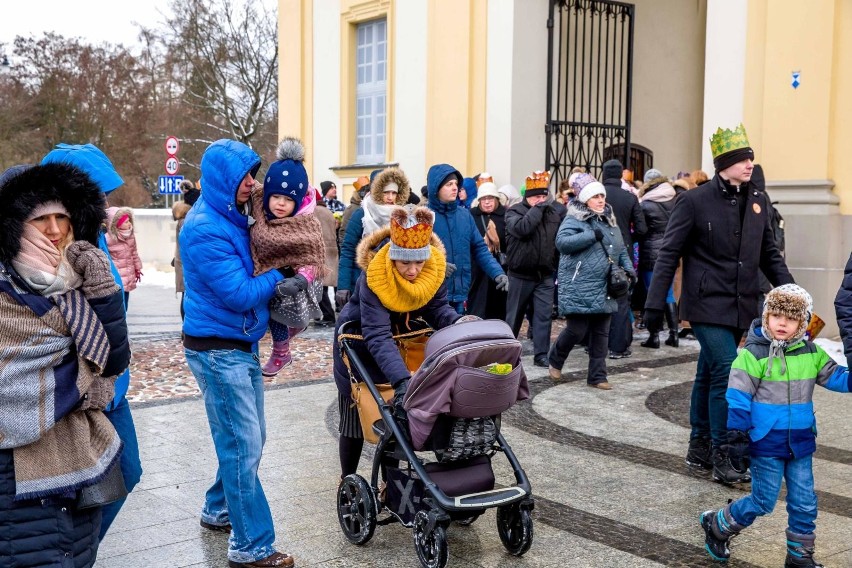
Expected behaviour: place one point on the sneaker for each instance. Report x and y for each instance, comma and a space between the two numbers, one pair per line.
541, 361
698, 455
603, 385
623, 355
716, 546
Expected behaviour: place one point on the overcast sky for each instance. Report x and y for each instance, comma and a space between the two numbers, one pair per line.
95, 21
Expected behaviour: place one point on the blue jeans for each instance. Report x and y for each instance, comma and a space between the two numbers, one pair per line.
131, 466
646, 278
708, 412
232, 386
766, 476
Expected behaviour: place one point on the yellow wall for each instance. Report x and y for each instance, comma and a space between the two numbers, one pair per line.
295, 58
455, 119
791, 125
840, 123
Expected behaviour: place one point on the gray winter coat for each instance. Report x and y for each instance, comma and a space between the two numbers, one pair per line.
583, 266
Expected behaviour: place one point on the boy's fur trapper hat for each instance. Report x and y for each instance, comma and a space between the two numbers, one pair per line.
411, 233
792, 301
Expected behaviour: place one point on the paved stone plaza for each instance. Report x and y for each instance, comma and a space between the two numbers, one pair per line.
607, 468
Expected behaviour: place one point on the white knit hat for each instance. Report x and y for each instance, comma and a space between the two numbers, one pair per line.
47, 208
592, 189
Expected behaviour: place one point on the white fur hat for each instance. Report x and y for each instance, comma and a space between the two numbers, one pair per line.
488, 189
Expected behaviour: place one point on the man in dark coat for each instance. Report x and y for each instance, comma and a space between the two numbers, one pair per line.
721, 231
843, 308
531, 258
628, 214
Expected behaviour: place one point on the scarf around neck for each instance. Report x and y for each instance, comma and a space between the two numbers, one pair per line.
398, 294
42, 266
376, 215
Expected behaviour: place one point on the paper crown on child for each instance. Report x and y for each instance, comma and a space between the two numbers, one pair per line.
791, 301
410, 233
483, 178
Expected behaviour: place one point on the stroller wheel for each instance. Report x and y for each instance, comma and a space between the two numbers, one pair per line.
431, 545
515, 527
356, 509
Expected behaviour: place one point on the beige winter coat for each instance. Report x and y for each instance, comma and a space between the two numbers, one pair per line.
329, 237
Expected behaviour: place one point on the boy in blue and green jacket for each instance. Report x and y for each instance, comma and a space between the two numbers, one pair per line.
771, 424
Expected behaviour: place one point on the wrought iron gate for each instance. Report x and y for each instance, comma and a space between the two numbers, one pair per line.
589, 80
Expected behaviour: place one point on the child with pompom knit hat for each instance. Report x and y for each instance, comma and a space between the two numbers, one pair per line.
287, 236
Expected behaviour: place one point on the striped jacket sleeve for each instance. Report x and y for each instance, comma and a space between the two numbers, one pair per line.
831, 375
742, 385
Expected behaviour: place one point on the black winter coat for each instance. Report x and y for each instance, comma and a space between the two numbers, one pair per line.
44, 532
721, 256
498, 216
531, 239
843, 307
657, 214
627, 212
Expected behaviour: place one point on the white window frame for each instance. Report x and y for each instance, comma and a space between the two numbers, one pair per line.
371, 94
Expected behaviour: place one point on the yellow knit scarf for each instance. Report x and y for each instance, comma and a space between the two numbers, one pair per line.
398, 294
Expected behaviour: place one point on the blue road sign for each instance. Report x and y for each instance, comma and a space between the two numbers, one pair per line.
170, 184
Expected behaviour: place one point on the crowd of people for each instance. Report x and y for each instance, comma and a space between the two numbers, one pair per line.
267, 254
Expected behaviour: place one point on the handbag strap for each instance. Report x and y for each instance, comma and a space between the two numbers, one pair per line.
606, 252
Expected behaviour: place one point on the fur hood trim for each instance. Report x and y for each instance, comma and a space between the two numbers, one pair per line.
391, 175
61, 182
582, 212
651, 184
114, 214
179, 210
369, 245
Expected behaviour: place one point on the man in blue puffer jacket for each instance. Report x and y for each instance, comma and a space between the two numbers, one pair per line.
456, 229
226, 315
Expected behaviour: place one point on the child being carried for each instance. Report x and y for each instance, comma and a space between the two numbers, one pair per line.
287, 236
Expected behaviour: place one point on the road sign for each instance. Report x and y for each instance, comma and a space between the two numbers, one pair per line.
172, 145
170, 184
172, 165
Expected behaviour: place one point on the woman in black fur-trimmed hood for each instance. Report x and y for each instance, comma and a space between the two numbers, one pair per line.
62, 319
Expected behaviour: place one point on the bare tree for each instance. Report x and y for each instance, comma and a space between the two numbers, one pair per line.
228, 52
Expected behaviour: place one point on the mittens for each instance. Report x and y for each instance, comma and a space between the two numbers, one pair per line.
93, 265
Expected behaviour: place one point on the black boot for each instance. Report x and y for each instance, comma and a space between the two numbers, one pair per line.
726, 473
671, 320
699, 454
719, 528
800, 551
653, 340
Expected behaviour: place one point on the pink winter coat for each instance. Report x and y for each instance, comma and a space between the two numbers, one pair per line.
122, 248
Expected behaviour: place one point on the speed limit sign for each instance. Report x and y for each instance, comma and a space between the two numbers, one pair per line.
172, 165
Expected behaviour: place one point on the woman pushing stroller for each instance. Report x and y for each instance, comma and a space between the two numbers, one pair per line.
402, 282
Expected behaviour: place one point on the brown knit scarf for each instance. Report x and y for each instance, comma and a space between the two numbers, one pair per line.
293, 241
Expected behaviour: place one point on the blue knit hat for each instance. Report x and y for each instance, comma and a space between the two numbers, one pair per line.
287, 176
91, 160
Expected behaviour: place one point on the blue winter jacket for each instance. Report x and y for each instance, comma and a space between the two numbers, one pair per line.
347, 269
457, 230
223, 299
772, 398
584, 265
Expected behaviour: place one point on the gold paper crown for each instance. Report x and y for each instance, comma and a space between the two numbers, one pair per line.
483, 177
538, 180
724, 141
416, 236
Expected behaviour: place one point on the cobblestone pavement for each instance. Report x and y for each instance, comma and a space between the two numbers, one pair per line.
607, 471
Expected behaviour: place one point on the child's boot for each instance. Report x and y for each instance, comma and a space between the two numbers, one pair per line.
278, 359
800, 551
719, 528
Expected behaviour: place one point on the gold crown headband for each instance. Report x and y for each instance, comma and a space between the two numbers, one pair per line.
538, 180
724, 141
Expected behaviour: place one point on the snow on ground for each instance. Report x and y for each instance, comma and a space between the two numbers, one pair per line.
151, 277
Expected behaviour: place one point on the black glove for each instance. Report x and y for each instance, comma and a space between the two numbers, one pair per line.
653, 320
737, 450
341, 297
599, 235
543, 204
292, 286
450, 269
399, 391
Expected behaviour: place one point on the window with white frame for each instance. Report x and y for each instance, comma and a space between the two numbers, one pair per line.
371, 92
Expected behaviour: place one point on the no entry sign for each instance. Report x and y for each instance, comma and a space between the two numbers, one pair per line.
172, 145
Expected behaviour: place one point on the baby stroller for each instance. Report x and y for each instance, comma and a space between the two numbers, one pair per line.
453, 407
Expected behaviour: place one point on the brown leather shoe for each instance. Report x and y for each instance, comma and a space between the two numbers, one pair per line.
276, 559
554, 373
602, 385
